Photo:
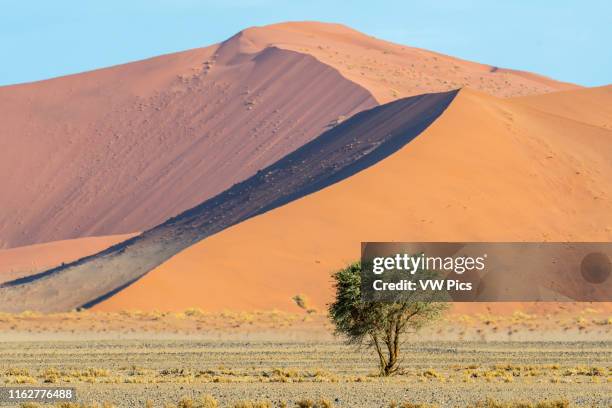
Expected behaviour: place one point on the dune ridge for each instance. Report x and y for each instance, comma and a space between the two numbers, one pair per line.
589, 105
391, 71
487, 169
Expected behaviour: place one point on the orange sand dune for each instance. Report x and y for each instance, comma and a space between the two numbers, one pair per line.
578, 105
487, 169
360, 142
392, 71
22, 261
123, 149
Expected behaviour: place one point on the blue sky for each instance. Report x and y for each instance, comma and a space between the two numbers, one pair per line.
567, 40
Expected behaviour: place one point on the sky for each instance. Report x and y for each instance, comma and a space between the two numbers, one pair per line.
566, 40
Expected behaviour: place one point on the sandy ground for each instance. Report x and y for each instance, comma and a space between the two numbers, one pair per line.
474, 321
132, 357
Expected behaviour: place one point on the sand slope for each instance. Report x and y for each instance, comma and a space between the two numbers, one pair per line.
392, 71
123, 149
22, 261
346, 149
589, 105
487, 169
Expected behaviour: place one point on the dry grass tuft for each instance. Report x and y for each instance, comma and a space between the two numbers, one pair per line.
308, 403
491, 403
252, 404
205, 401
69, 405
411, 405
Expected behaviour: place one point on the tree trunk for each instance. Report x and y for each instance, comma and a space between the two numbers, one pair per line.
392, 362
393, 349
381, 357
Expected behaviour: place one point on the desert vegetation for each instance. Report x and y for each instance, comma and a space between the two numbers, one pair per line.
128, 373
470, 373
282, 359
378, 325
581, 321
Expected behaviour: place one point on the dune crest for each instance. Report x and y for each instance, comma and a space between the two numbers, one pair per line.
391, 71
588, 105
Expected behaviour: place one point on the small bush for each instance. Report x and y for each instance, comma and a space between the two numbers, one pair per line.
411, 405
252, 404
491, 403
206, 401
301, 301
308, 403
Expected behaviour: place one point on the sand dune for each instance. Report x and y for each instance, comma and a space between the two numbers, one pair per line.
23, 261
487, 169
345, 150
392, 71
123, 149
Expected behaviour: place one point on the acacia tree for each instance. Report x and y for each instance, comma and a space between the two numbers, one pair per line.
379, 325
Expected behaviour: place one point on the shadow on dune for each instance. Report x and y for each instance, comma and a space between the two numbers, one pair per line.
354, 145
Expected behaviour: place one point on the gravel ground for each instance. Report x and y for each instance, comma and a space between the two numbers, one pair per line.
130, 372
377, 394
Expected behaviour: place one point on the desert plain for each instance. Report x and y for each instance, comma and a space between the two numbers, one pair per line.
155, 359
